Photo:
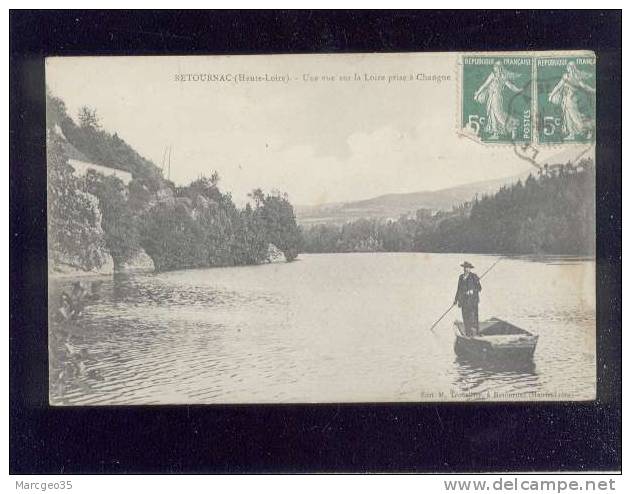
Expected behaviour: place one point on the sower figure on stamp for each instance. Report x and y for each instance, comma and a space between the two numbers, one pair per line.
468, 298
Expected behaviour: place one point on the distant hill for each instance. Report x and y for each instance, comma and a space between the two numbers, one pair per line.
395, 205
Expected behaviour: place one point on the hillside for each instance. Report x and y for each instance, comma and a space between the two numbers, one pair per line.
98, 219
87, 141
392, 206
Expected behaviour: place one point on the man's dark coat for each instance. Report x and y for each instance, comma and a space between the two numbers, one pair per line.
469, 289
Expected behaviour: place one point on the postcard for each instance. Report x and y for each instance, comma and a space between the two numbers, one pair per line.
343, 228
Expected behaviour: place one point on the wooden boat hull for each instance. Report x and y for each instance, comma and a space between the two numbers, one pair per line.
497, 341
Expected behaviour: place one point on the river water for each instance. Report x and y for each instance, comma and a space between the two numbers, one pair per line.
326, 328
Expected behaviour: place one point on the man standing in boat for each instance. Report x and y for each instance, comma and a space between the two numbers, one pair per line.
468, 298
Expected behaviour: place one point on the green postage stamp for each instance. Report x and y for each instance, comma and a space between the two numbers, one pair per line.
566, 99
497, 99
500, 104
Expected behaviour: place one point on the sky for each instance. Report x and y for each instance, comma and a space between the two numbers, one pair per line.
318, 140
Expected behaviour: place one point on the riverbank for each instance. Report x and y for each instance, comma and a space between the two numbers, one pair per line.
140, 263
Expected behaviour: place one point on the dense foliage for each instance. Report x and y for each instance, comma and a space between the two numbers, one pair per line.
75, 236
550, 214
178, 227
200, 226
118, 216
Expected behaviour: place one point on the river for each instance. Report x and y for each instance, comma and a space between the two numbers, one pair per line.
325, 328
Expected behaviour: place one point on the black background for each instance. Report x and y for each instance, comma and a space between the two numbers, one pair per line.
300, 438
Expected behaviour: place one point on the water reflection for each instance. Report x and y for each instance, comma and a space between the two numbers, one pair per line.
475, 375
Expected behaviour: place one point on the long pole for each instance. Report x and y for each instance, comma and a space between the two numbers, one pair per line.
492, 266
441, 318
169, 172
453, 305
164, 158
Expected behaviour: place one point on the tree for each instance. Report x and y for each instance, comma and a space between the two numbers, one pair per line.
250, 244
119, 221
88, 118
277, 219
75, 236
172, 239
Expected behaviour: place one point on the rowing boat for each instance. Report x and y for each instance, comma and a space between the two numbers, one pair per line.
496, 340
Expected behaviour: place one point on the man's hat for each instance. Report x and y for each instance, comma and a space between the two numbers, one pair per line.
467, 264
